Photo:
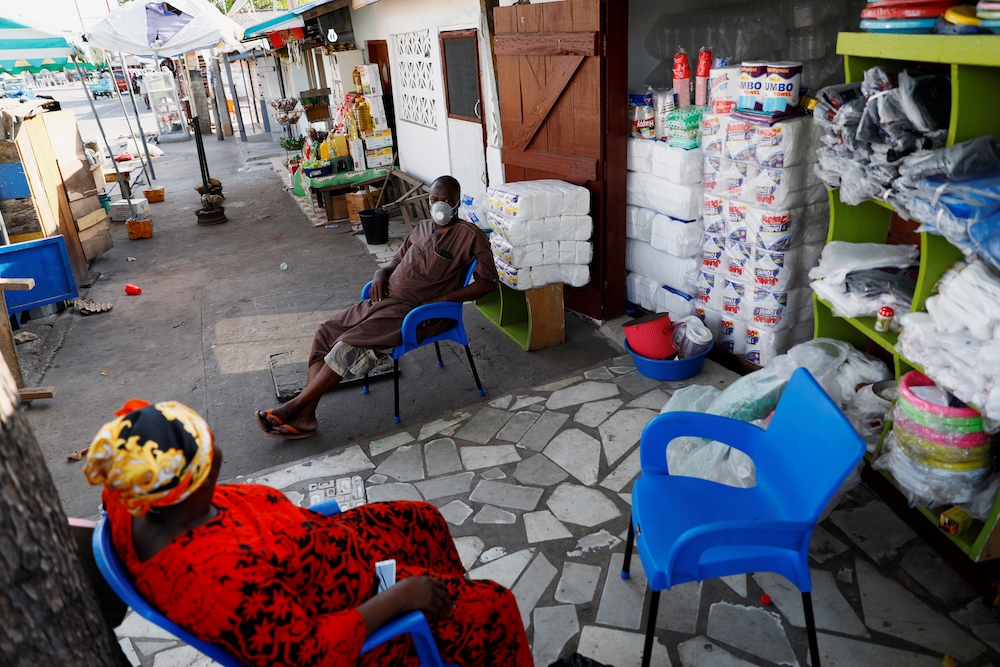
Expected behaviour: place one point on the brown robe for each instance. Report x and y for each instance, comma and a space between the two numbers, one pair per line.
424, 273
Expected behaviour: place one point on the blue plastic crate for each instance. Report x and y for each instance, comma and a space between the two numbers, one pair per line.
45, 260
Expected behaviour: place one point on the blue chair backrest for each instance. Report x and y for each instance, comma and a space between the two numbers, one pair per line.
118, 578
812, 447
367, 289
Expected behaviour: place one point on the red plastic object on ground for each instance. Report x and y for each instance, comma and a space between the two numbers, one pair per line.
907, 12
132, 290
653, 339
124, 157
907, 3
765, 599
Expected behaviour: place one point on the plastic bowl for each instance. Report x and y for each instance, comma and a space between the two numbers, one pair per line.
667, 369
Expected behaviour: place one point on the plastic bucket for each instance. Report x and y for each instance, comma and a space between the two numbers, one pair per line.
105, 202
375, 222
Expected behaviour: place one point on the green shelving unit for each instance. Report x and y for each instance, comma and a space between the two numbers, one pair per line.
974, 61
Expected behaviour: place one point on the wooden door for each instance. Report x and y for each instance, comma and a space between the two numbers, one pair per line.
562, 78
378, 54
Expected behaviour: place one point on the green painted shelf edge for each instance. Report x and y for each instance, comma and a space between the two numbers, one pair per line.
492, 307
981, 50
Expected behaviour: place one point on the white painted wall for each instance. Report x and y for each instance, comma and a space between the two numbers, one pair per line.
427, 152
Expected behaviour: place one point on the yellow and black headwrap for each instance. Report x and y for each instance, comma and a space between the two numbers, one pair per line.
151, 456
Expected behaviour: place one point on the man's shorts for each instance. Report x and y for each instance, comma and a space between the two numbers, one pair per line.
349, 361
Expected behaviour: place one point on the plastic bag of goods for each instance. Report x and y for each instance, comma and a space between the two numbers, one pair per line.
869, 409
779, 310
677, 237
518, 256
784, 270
676, 165
740, 141
673, 301
739, 261
783, 229
712, 179
691, 337
713, 212
678, 201
641, 116
763, 346
663, 104
639, 223
713, 132
473, 209
666, 269
710, 288
740, 178
723, 89
737, 222
785, 144
787, 188
840, 258
732, 334
713, 254
640, 155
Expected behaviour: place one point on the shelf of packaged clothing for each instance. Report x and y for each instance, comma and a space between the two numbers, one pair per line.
983, 50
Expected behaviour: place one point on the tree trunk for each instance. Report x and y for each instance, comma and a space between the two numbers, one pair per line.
48, 610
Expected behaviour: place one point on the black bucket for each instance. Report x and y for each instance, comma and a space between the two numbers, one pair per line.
376, 225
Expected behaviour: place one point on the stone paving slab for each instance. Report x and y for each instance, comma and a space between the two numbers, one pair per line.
537, 498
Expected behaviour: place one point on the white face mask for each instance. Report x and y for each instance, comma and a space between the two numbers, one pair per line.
442, 213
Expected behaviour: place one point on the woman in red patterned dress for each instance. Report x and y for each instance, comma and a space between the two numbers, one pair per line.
240, 566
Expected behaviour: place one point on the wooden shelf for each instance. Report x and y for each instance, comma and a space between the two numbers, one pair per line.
974, 62
534, 319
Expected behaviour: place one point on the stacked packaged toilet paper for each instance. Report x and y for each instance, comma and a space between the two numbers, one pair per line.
765, 217
664, 236
541, 233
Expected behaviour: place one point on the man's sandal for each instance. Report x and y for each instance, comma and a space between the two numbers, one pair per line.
291, 433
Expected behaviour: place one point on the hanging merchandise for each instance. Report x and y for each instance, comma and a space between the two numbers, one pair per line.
701, 77
682, 78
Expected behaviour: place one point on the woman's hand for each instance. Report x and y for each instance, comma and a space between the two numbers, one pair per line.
426, 595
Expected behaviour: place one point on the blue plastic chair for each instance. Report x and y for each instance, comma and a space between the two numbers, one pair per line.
690, 529
451, 310
413, 623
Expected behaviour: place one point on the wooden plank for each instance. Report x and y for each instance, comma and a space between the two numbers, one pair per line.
546, 99
7, 347
508, 78
56, 193
20, 216
546, 316
85, 206
47, 216
96, 240
577, 170
532, 74
615, 135
91, 219
77, 178
548, 44
561, 122
17, 284
21, 238
33, 393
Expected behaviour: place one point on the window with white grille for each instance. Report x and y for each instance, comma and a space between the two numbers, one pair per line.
415, 78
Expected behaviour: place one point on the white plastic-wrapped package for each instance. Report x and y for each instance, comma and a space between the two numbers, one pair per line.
713, 254
840, 258
712, 178
679, 238
677, 303
786, 144
576, 198
724, 88
763, 345
515, 278
575, 227
473, 209
633, 285
741, 141
550, 253
647, 293
574, 275
779, 230
676, 164
515, 231
739, 261
732, 334
737, 300
666, 269
740, 178
737, 221
518, 256
678, 201
968, 297
780, 310
576, 252
787, 188
710, 288
640, 154
713, 213
778, 271
523, 200
713, 132
712, 318
639, 223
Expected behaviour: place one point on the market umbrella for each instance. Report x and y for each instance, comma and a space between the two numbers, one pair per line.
170, 29
26, 48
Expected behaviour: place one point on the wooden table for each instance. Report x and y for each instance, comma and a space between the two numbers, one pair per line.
126, 169
327, 187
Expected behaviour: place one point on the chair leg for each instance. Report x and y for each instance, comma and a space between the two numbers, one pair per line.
807, 606
437, 348
627, 563
366, 383
475, 374
647, 649
395, 388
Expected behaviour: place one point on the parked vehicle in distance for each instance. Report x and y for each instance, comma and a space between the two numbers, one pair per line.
17, 88
100, 88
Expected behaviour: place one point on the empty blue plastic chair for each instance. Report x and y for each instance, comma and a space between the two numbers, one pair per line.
451, 310
690, 529
413, 623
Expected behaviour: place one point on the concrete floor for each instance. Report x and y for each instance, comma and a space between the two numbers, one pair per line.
215, 306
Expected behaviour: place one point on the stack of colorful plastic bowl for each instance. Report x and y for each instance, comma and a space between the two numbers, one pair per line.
941, 444
908, 17
988, 13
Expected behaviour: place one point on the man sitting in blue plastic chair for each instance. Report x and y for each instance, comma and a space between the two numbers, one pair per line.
429, 267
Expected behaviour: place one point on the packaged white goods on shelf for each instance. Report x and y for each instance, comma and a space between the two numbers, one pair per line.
473, 209
732, 334
840, 258
682, 126
713, 132
737, 300
739, 261
538, 230
678, 201
640, 155
712, 180
786, 144
740, 178
857, 279
519, 256
763, 345
775, 311
676, 164
524, 200
780, 230
677, 237
723, 89
713, 254
785, 270
710, 286
968, 298
649, 294
737, 214
787, 188
576, 275
741, 143
713, 214
639, 223
712, 317
676, 272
